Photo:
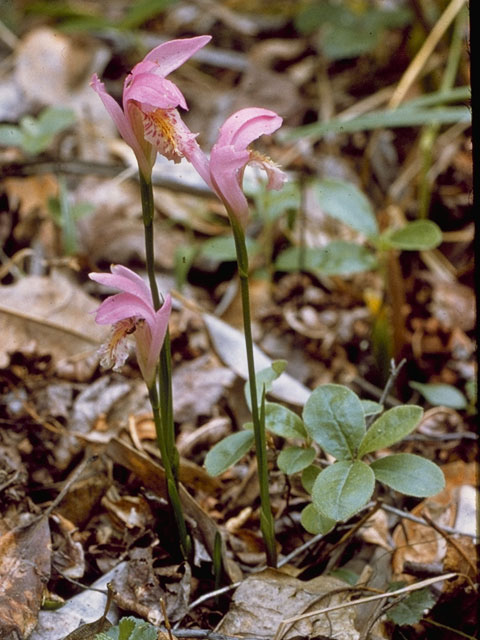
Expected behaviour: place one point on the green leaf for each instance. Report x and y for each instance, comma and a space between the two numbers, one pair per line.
344, 201
222, 248
271, 204
409, 474
264, 378
228, 451
10, 136
411, 609
294, 459
315, 522
419, 235
309, 475
388, 119
335, 259
371, 408
391, 427
141, 11
334, 417
283, 422
342, 489
52, 120
441, 394
130, 628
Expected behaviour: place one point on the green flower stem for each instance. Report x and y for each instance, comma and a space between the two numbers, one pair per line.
266, 517
161, 400
172, 487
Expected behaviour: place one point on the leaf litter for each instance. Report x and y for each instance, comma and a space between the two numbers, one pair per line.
58, 408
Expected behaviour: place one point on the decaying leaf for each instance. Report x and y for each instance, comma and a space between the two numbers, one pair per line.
421, 543
141, 588
48, 316
263, 600
24, 571
198, 386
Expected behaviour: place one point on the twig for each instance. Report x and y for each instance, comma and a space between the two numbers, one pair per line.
380, 596
410, 516
65, 489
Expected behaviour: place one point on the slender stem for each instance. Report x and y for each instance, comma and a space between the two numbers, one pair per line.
172, 488
161, 399
266, 517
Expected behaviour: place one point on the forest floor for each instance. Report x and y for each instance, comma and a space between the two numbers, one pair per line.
376, 126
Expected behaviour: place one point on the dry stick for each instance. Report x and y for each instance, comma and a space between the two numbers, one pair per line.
450, 540
410, 516
425, 52
380, 596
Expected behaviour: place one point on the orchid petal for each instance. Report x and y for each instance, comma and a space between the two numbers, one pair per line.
149, 339
170, 55
121, 306
119, 118
152, 90
125, 280
246, 125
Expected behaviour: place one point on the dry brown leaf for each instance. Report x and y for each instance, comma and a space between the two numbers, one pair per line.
49, 316
263, 600
198, 386
24, 571
138, 588
420, 543
68, 556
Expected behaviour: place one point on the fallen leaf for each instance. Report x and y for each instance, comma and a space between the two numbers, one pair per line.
263, 600
48, 316
416, 542
24, 571
86, 607
198, 385
230, 346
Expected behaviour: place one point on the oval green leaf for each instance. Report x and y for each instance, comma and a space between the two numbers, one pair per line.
338, 258
345, 202
441, 394
309, 475
294, 459
283, 422
264, 379
409, 474
419, 235
391, 427
334, 417
228, 451
371, 408
315, 522
342, 489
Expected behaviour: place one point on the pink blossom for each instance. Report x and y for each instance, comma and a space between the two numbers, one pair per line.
231, 154
131, 312
150, 122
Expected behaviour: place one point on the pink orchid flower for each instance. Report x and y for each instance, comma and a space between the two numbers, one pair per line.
150, 122
231, 154
131, 312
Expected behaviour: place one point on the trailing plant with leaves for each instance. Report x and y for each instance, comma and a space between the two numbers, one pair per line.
334, 418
